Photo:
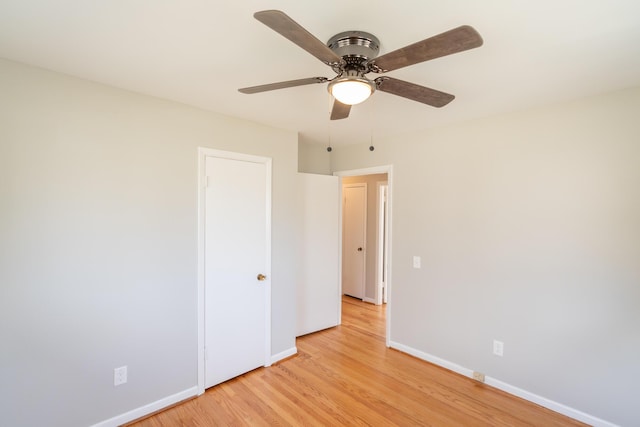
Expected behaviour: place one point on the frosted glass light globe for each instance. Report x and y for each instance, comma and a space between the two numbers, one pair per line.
351, 91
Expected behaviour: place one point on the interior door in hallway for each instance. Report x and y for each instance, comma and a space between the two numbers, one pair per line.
354, 226
237, 266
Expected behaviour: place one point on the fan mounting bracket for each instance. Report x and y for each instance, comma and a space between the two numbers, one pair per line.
356, 48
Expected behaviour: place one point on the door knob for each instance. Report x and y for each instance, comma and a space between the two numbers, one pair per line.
359, 249
261, 277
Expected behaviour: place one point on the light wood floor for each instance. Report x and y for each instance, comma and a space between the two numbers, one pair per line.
346, 376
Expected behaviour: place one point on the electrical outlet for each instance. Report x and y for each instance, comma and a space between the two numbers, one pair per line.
119, 375
478, 376
498, 348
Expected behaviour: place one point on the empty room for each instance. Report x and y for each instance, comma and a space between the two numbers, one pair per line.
336, 213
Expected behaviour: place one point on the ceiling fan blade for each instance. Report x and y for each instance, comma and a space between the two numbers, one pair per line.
283, 85
340, 110
413, 91
281, 23
452, 41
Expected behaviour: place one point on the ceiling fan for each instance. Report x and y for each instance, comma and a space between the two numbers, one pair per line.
352, 55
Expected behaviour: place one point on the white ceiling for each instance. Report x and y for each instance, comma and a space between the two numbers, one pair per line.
200, 52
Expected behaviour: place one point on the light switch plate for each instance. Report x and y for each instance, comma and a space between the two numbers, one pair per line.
416, 261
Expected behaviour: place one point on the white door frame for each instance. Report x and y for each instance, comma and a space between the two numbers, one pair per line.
388, 169
203, 153
382, 241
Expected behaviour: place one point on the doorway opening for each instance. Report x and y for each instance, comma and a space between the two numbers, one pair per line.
365, 230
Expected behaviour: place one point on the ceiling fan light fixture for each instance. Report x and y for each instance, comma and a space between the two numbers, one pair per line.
354, 54
351, 90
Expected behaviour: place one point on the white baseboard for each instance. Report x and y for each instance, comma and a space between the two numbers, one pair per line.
531, 397
148, 409
549, 404
284, 354
432, 359
369, 300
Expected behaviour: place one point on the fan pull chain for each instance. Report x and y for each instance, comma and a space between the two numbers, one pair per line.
329, 149
373, 113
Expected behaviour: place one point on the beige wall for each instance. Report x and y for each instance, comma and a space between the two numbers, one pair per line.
528, 225
372, 224
98, 244
314, 158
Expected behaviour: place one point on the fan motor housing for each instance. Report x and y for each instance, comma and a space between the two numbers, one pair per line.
355, 47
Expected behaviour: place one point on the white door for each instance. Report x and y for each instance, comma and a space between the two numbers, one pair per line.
318, 299
237, 238
354, 226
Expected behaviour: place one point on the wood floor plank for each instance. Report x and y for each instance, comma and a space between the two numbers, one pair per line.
347, 376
